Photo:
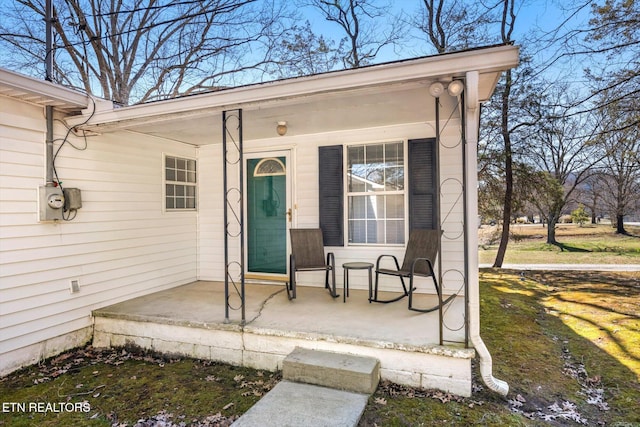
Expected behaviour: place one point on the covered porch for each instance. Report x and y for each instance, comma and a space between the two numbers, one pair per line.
403, 145
190, 320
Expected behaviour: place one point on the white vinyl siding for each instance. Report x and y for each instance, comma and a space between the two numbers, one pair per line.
119, 246
305, 202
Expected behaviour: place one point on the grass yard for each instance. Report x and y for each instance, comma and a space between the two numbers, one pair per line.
568, 344
121, 387
590, 244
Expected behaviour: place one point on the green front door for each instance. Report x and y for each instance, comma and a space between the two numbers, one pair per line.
267, 215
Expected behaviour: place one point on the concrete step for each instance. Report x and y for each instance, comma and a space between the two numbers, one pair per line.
347, 372
291, 404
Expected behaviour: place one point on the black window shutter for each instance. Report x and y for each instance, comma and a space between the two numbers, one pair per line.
331, 194
422, 184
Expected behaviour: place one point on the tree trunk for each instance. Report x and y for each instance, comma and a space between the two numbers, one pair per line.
551, 230
508, 174
620, 224
506, 224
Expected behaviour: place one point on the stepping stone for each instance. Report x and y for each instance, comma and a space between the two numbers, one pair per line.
358, 374
291, 404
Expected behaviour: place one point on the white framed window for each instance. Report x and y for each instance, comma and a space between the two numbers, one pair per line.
180, 183
376, 193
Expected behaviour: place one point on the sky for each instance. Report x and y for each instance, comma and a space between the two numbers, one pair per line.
541, 15
531, 14
538, 15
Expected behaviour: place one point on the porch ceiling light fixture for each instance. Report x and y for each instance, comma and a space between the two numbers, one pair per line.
436, 89
281, 128
455, 88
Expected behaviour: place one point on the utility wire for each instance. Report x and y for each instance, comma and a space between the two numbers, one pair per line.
221, 10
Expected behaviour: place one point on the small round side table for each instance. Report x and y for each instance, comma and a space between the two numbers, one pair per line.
354, 266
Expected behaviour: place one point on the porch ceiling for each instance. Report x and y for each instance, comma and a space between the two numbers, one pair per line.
375, 96
408, 103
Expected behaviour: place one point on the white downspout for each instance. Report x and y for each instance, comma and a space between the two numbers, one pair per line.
471, 131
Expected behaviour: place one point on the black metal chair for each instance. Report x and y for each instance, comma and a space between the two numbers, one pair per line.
307, 254
422, 251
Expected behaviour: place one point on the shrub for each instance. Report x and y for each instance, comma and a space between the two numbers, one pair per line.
580, 216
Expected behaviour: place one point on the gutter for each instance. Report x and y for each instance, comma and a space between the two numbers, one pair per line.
470, 159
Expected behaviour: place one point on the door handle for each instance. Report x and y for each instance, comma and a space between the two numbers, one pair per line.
289, 214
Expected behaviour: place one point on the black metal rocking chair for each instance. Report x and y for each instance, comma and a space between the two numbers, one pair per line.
307, 254
422, 251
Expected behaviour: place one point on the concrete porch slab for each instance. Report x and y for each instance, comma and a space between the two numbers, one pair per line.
190, 320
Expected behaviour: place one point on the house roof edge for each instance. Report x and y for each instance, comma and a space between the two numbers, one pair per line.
492, 59
41, 92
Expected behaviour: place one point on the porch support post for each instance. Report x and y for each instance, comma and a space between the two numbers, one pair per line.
468, 229
439, 218
472, 107
233, 212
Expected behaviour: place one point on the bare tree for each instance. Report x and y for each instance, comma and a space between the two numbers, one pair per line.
368, 25
620, 172
305, 53
591, 194
506, 32
607, 46
614, 34
564, 149
491, 188
137, 51
547, 194
456, 24
452, 25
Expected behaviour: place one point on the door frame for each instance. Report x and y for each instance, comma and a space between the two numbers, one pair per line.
288, 152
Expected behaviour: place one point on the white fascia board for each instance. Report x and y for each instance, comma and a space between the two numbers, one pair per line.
41, 92
487, 60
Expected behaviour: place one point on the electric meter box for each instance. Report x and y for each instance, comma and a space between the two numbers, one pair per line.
72, 199
50, 203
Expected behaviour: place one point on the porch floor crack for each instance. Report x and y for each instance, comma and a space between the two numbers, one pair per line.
264, 303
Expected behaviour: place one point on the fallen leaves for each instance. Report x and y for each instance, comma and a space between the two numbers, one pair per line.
397, 390
256, 388
380, 401
517, 402
72, 361
591, 387
166, 419
78, 360
565, 409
